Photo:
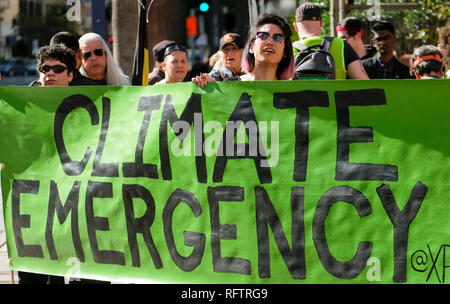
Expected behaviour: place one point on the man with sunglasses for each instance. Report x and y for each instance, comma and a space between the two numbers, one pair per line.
384, 65
308, 24
98, 63
175, 65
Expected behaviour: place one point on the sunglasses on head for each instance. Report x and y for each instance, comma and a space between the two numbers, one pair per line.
58, 69
97, 52
174, 47
278, 38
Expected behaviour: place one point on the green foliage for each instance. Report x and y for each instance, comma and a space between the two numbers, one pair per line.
414, 27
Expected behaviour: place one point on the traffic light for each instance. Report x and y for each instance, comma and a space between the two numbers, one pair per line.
204, 7
201, 6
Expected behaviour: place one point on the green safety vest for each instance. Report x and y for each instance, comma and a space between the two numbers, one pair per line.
336, 50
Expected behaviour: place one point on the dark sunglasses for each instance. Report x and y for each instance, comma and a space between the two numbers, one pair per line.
174, 47
97, 52
58, 69
278, 38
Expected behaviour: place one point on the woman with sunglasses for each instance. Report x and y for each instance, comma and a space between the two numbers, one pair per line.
97, 62
268, 53
56, 65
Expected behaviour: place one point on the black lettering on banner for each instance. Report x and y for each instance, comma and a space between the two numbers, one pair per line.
139, 168
20, 221
140, 225
302, 101
69, 104
401, 221
242, 113
352, 268
100, 190
194, 239
266, 214
193, 106
225, 232
62, 212
104, 169
346, 171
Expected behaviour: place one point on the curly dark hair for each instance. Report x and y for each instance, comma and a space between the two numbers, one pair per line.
59, 52
444, 44
285, 68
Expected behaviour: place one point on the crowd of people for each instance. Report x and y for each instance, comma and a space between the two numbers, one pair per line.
267, 54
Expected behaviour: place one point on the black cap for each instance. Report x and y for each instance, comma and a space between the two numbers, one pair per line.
174, 47
308, 11
68, 39
159, 49
231, 38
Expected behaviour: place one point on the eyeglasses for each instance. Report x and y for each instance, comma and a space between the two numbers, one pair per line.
174, 47
278, 38
97, 52
58, 69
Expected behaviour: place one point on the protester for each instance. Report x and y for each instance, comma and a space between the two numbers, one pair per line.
268, 53
157, 73
444, 47
175, 64
426, 63
230, 56
308, 24
98, 63
56, 65
230, 53
351, 30
385, 65
71, 41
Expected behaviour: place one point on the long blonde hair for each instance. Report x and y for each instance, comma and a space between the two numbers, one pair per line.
114, 74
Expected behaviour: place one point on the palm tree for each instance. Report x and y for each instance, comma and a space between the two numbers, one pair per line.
166, 21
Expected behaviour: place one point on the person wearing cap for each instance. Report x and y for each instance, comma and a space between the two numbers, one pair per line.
175, 65
426, 63
230, 56
230, 51
70, 41
351, 31
308, 24
385, 65
157, 73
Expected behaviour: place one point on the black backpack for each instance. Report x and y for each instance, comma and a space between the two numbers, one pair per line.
314, 62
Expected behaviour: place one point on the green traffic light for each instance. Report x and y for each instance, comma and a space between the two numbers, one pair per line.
204, 7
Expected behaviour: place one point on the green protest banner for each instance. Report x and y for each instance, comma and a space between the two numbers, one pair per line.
242, 182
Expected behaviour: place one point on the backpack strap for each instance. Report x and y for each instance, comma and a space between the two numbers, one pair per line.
326, 43
299, 46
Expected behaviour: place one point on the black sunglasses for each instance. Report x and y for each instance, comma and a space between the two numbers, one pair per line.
97, 52
174, 47
278, 38
58, 69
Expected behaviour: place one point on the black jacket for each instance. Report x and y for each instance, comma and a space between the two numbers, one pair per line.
399, 70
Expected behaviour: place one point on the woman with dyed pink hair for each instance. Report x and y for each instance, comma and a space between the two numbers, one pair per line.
268, 53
